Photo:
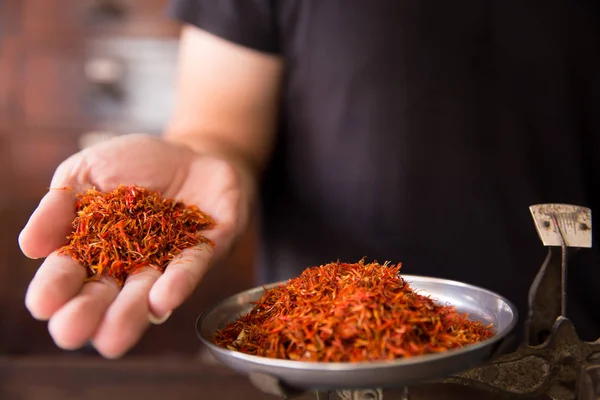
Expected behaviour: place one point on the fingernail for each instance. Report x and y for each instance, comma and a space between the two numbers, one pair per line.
158, 320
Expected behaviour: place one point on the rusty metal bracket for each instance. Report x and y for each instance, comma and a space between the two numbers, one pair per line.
552, 368
553, 360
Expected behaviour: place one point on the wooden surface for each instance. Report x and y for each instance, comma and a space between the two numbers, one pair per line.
154, 378
71, 378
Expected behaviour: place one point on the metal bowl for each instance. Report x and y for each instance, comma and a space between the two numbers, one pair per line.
480, 304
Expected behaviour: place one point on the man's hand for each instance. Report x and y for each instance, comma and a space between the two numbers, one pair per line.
219, 139
114, 318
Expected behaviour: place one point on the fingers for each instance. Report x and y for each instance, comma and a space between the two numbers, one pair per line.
113, 319
127, 317
76, 322
179, 280
49, 224
57, 281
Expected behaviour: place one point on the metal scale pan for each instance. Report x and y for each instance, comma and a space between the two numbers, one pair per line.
479, 303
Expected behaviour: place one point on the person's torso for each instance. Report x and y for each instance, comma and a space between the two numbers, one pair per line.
421, 132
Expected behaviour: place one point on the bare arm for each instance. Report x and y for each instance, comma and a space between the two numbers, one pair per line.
227, 99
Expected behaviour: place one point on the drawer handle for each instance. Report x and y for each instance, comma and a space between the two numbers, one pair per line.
108, 9
104, 10
107, 74
104, 71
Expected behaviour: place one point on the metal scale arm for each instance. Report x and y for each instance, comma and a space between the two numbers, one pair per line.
553, 360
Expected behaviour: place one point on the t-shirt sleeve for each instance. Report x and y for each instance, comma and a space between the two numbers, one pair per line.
249, 23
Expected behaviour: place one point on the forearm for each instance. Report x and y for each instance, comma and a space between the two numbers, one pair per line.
227, 101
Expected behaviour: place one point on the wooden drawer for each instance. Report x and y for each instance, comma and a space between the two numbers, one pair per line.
120, 85
146, 83
48, 20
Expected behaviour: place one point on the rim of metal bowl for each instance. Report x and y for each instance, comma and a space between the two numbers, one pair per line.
341, 366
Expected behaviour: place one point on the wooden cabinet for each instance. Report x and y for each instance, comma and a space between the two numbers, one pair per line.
104, 86
53, 90
33, 152
130, 83
66, 20
115, 72
5, 75
9, 62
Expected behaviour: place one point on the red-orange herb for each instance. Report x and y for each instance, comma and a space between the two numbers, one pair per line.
64, 189
342, 312
123, 231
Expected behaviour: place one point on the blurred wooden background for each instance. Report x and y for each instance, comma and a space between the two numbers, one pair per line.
73, 72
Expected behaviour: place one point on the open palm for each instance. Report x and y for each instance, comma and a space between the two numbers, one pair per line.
114, 318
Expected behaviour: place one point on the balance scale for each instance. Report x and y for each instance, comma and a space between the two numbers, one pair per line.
552, 361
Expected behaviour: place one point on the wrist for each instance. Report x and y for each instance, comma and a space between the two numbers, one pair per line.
245, 170
215, 148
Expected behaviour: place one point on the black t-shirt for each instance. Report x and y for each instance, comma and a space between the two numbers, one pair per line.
421, 132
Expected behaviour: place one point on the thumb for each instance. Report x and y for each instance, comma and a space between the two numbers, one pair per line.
51, 222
